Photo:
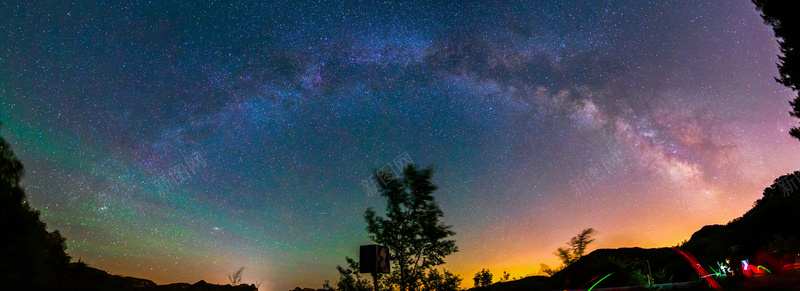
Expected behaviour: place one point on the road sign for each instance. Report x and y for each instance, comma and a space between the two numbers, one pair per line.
374, 259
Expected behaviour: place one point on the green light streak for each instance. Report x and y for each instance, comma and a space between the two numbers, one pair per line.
598, 281
718, 273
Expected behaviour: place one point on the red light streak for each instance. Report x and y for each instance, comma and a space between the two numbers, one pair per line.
699, 269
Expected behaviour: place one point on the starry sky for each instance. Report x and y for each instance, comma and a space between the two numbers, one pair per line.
180, 141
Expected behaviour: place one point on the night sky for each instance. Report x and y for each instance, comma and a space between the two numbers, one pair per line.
180, 141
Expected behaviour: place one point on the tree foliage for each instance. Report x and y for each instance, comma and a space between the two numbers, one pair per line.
782, 16
350, 279
636, 272
444, 281
784, 245
577, 247
571, 254
785, 186
483, 278
32, 256
504, 278
416, 238
545, 269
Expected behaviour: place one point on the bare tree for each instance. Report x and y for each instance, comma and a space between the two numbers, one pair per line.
236, 278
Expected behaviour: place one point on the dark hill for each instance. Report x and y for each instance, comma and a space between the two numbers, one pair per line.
767, 235
624, 263
78, 276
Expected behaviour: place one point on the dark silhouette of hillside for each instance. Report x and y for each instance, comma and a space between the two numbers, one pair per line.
79, 276
585, 271
761, 234
767, 235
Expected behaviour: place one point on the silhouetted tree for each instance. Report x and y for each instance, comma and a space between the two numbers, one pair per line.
787, 185
576, 249
236, 278
350, 279
505, 277
56, 249
577, 246
544, 269
444, 281
416, 238
32, 256
483, 278
551, 271
782, 15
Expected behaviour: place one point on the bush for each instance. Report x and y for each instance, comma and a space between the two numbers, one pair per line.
483, 278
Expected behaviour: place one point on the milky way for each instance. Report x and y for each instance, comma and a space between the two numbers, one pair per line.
179, 142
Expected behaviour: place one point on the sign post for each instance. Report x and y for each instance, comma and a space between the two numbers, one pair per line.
374, 259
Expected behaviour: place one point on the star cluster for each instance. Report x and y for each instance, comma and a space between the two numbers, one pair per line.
181, 141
